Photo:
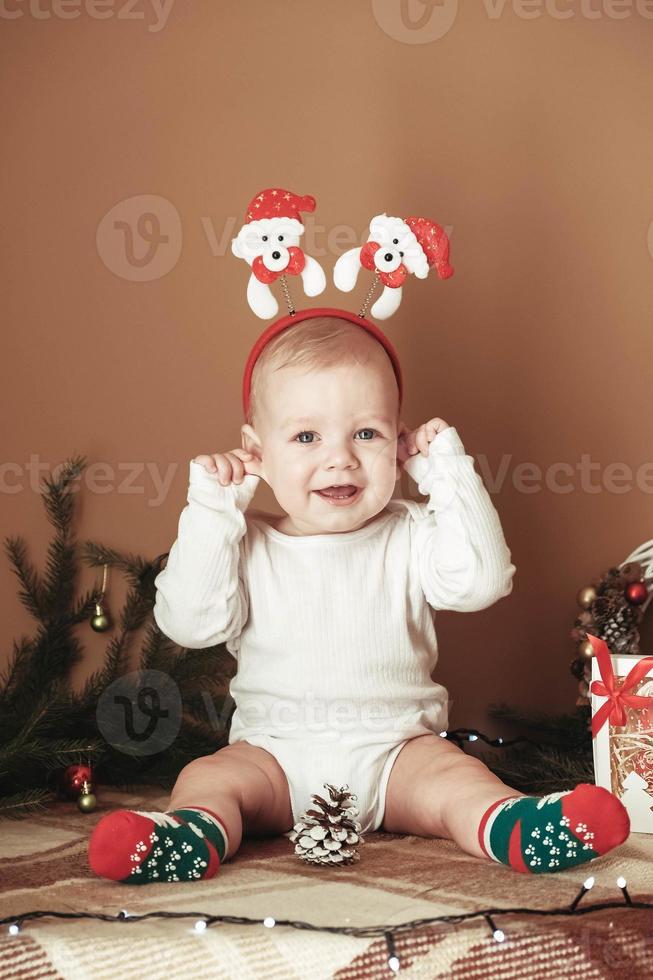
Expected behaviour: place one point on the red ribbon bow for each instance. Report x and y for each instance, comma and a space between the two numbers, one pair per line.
618, 697
392, 279
296, 263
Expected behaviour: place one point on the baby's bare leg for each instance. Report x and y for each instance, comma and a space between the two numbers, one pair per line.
436, 790
242, 784
238, 790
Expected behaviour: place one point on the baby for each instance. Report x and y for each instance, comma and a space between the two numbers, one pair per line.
328, 611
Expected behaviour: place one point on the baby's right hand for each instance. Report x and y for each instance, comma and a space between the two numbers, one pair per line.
231, 467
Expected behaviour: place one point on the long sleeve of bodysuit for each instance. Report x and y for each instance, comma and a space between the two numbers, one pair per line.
201, 598
462, 557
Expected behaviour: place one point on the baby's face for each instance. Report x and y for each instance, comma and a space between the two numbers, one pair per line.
331, 426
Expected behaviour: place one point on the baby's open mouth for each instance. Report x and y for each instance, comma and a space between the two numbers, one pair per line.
343, 492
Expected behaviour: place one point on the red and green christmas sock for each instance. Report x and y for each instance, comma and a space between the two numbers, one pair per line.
544, 834
139, 847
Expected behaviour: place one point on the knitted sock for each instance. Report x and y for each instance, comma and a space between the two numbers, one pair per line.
540, 834
138, 847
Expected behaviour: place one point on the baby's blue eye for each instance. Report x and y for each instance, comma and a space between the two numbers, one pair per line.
308, 443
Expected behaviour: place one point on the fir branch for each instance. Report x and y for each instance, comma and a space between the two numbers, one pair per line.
60, 575
58, 495
544, 771
83, 608
115, 660
211, 665
158, 651
20, 804
47, 753
32, 594
135, 611
16, 670
133, 566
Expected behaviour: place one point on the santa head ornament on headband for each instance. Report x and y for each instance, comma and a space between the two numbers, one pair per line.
269, 243
396, 248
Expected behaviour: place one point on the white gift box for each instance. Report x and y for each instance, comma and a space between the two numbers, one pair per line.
623, 755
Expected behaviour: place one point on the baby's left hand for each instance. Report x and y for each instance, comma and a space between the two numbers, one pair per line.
411, 442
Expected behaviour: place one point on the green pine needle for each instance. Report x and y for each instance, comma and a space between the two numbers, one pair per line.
45, 724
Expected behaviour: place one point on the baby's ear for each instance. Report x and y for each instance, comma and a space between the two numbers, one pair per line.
250, 441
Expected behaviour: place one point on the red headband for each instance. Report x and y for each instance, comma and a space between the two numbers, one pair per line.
291, 319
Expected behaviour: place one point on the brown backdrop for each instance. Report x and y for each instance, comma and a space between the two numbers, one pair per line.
523, 128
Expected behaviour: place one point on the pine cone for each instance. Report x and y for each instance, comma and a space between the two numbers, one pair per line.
329, 834
605, 606
620, 632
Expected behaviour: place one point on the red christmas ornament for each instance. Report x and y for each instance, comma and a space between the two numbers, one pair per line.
636, 593
73, 779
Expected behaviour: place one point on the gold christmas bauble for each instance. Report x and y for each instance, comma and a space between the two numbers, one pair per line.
87, 802
586, 596
100, 621
585, 649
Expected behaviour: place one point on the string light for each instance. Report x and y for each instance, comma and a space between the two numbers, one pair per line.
393, 959
587, 884
621, 883
14, 925
473, 735
497, 934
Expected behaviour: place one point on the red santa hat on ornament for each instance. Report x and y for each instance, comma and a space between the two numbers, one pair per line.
275, 202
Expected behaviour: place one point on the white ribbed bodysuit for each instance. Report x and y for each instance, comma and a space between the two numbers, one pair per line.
333, 633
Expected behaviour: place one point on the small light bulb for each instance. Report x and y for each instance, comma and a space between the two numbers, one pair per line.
393, 963
589, 882
14, 929
621, 882
499, 935
269, 921
200, 925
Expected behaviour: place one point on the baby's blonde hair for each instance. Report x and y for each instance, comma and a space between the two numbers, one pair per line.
318, 342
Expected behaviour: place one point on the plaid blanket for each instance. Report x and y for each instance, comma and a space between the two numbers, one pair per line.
399, 878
